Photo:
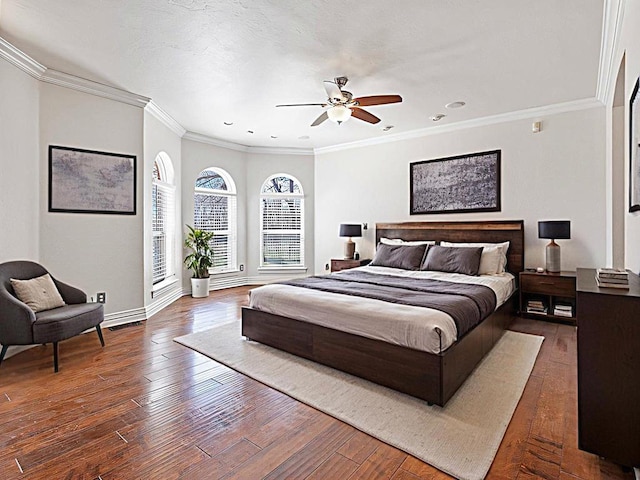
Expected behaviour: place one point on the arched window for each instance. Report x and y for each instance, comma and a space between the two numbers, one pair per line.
215, 211
281, 222
163, 218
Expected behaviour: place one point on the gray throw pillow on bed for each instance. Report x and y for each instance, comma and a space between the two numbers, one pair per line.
407, 257
453, 259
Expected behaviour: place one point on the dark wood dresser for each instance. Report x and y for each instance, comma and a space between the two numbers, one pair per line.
609, 369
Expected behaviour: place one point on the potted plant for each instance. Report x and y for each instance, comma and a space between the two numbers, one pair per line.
199, 260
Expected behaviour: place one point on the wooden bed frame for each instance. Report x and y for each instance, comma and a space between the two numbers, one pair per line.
431, 377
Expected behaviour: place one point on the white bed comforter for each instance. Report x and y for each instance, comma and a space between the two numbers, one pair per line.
414, 327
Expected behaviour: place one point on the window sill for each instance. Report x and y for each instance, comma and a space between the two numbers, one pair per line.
281, 268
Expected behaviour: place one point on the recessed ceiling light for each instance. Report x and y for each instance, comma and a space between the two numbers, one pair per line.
437, 117
228, 123
457, 104
304, 137
387, 128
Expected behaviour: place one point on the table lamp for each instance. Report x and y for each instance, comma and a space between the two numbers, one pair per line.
554, 230
350, 230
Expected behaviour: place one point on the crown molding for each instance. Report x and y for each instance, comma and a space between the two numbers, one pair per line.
199, 137
612, 18
281, 150
584, 104
38, 71
94, 88
21, 60
167, 120
612, 21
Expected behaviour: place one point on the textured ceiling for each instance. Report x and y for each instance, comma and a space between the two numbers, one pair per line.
207, 62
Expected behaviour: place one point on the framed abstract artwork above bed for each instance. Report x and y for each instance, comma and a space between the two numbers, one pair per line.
464, 183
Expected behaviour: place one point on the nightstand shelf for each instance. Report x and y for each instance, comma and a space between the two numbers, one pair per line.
338, 264
549, 290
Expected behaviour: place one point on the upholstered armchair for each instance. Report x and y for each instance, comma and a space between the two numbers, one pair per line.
20, 325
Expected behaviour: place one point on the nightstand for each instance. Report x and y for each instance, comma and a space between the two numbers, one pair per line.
338, 264
547, 296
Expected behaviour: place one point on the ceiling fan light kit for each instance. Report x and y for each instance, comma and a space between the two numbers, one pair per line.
339, 114
343, 106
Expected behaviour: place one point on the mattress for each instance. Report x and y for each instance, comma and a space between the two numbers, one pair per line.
420, 328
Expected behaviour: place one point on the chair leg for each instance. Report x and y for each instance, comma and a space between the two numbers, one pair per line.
99, 330
55, 357
4, 352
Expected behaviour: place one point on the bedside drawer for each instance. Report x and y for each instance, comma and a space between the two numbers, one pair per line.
549, 285
337, 265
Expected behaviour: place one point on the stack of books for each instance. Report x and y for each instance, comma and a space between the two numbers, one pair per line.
536, 306
612, 278
563, 310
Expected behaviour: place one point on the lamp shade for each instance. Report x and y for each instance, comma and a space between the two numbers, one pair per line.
350, 230
554, 229
339, 114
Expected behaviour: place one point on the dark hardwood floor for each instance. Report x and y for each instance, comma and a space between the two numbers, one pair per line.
145, 407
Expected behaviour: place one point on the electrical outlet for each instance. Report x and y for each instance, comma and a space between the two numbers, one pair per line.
326, 266
101, 297
241, 268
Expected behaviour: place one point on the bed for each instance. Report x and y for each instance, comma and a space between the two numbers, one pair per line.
433, 377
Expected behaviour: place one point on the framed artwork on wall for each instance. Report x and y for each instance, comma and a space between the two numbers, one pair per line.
464, 183
634, 151
89, 181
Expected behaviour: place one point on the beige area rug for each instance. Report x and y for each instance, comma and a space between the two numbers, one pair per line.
461, 439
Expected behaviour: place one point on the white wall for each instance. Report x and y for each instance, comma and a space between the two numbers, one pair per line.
555, 174
19, 169
629, 46
196, 156
259, 168
249, 171
158, 138
91, 251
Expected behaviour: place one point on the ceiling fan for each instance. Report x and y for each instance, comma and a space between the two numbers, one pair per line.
342, 105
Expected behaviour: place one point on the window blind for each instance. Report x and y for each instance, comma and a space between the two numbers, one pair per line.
282, 232
217, 213
163, 226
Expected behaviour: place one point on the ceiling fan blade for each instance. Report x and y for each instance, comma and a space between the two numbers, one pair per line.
333, 91
320, 119
303, 105
377, 100
364, 115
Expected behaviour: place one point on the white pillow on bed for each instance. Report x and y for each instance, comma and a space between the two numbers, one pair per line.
494, 256
399, 241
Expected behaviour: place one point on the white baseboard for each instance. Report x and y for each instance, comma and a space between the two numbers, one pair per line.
126, 316
161, 301
231, 282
